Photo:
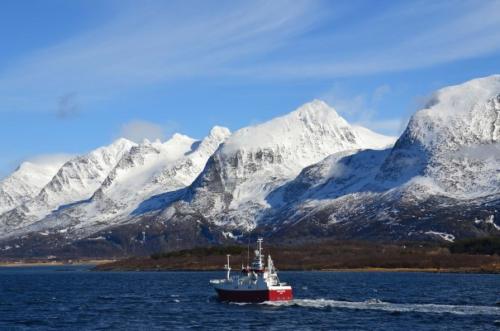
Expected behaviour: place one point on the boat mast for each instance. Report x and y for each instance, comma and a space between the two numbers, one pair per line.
248, 253
228, 267
259, 241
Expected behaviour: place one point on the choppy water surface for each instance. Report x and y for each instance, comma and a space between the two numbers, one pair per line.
73, 298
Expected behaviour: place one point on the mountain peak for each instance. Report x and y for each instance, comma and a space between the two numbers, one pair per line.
315, 104
180, 137
29, 166
219, 131
313, 121
461, 98
316, 108
25, 165
115, 150
121, 142
27, 180
460, 115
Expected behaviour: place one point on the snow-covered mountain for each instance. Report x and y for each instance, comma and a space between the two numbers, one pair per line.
27, 181
146, 170
440, 180
301, 176
76, 180
154, 180
233, 190
454, 142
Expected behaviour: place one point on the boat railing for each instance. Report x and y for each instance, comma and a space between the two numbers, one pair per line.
222, 281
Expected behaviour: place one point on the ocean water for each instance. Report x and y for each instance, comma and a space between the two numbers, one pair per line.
74, 298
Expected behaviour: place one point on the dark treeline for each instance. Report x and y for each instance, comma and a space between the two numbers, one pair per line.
202, 251
321, 255
489, 246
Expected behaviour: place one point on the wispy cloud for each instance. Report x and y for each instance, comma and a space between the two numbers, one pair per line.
401, 37
156, 42
138, 130
67, 105
380, 92
392, 126
363, 109
50, 159
162, 41
54, 159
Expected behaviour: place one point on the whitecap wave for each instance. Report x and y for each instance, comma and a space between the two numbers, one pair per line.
375, 304
241, 303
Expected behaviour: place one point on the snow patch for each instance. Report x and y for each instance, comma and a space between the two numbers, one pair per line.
443, 235
228, 235
97, 238
333, 220
489, 220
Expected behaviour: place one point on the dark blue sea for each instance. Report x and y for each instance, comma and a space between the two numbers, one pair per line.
74, 298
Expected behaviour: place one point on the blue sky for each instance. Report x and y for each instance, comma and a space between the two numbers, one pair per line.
74, 75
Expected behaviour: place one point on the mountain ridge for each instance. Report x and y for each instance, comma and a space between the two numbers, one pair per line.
76, 180
305, 175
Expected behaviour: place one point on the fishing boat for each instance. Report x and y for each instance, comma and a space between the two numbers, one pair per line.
255, 283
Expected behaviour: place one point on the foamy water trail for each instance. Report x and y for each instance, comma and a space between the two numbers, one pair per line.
390, 307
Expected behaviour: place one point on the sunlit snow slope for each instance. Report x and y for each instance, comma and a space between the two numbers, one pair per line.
27, 181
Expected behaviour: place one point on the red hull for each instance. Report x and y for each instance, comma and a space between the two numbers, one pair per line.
255, 296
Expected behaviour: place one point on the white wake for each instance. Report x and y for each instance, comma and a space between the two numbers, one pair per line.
374, 304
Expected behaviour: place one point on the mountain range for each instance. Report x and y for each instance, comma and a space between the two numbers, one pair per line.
303, 176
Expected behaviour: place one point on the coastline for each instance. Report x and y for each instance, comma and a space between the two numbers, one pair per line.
464, 270
360, 270
107, 266
323, 256
14, 264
